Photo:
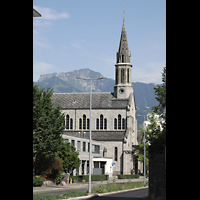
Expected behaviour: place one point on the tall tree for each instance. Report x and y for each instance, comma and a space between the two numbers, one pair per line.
47, 128
69, 157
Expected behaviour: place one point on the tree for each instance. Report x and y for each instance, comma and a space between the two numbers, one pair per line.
47, 128
160, 92
69, 157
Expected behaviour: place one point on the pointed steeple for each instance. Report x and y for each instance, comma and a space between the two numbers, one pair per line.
123, 54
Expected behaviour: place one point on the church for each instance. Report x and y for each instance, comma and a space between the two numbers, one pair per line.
113, 116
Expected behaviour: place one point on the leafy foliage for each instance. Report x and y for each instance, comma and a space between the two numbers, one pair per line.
128, 176
69, 157
37, 181
47, 129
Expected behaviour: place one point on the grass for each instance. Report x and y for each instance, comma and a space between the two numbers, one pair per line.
117, 187
70, 193
101, 189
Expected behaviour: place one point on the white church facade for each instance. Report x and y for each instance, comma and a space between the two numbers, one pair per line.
113, 121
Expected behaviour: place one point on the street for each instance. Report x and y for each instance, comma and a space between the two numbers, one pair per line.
134, 195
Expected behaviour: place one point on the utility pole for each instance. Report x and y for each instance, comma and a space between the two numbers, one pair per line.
90, 152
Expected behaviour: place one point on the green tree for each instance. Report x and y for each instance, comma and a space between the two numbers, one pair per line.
69, 157
47, 129
160, 92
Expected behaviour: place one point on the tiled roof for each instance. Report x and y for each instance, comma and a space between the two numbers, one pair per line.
82, 100
99, 135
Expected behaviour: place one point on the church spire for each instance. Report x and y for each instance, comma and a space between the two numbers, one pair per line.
123, 54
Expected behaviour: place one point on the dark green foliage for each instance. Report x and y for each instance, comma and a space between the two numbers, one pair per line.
86, 178
47, 129
124, 176
69, 157
37, 181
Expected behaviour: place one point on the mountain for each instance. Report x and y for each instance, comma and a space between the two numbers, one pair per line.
65, 82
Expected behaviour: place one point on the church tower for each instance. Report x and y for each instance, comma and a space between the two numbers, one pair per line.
123, 87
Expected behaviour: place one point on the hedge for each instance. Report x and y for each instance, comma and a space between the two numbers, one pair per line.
127, 176
86, 178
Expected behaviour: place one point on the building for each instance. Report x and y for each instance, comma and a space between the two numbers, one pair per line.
113, 122
100, 163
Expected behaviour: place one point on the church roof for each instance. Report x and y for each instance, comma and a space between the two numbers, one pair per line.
99, 135
104, 100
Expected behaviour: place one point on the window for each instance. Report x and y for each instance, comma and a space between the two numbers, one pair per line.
123, 58
123, 123
79, 146
115, 123
84, 121
66, 140
71, 123
105, 123
101, 121
127, 75
67, 121
115, 153
73, 142
95, 148
97, 123
119, 121
88, 123
80, 123
122, 75
84, 146
88, 147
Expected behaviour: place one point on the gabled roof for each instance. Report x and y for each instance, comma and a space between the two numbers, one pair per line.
36, 13
104, 100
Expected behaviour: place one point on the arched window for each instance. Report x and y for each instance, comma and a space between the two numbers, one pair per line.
80, 123
67, 121
128, 75
88, 123
97, 123
116, 153
84, 121
105, 123
115, 123
71, 123
123, 58
123, 123
122, 75
119, 121
101, 121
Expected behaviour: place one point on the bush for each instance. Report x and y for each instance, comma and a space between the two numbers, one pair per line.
127, 176
59, 177
37, 181
80, 178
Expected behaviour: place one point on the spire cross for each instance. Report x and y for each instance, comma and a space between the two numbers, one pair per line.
123, 13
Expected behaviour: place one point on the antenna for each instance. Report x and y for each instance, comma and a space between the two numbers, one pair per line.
123, 13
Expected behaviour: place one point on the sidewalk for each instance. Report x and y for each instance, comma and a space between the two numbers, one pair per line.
83, 185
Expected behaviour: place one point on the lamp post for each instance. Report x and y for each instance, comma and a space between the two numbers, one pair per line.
90, 152
144, 151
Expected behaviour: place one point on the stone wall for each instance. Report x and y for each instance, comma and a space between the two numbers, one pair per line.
157, 173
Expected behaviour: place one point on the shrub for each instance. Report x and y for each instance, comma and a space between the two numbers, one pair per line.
127, 176
37, 181
59, 177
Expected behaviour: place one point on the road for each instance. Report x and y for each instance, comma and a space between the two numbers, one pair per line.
131, 195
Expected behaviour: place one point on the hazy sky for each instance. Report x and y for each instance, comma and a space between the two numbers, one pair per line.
76, 34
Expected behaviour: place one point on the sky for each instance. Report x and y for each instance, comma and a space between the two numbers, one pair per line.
76, 34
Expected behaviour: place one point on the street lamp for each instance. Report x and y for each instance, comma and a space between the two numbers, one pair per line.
144, 151
90, 152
